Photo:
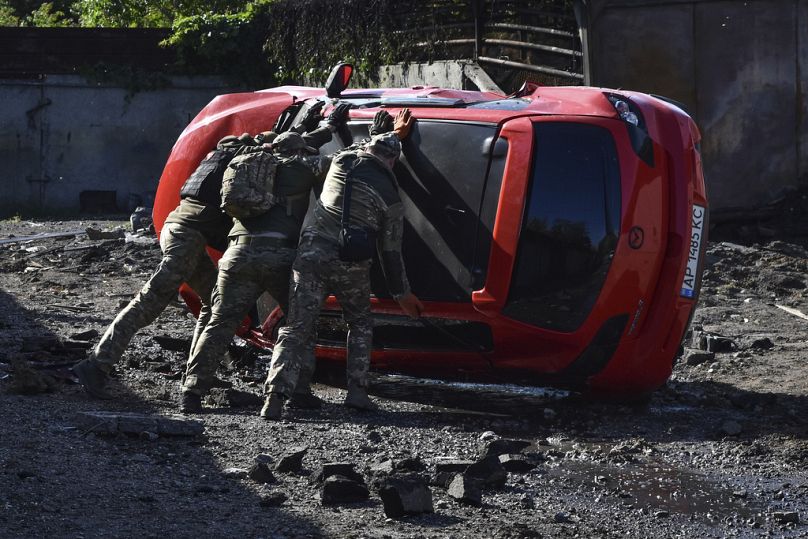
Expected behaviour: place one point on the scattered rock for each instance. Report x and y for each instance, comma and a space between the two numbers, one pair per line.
96, 234
488, 435
88, 335
489, 471
719, 344
374, 437
260, 473
446, 469
503, 446
292, 460
272, 499
134, 423
787, 517
516, 463
339, 489
662, 514
731, 428
563, 518
697, 357
763, 343
405, 495
466, 490
263, 458
235, 473
27, 381
234, 398
173, 344
345, 469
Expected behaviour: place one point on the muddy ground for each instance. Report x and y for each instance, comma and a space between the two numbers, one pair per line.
720, 451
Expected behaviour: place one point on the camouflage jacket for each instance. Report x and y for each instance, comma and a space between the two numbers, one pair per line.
375, 204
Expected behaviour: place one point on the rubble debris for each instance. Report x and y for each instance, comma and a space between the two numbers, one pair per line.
27, 381
260, 473
446, 469
235, 473
292, 460
338, 489
233, 398
503, 446
405, 495
272, 499
465, 490
345, 469
87, 335
173, 344
96, 234
787, 517
762, 343
489, 471
795, 312
135, 423
516, 463
718, 344
697, 357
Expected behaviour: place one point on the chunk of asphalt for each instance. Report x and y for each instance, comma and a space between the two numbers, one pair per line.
272, 499
516, 463
402, 495
134, 423
697, 357
260, 473
234, 398
338, 489
292, 460
88, 335
489, 471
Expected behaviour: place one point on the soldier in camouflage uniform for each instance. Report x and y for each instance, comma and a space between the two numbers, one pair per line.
318, 269
259, 258
196, 223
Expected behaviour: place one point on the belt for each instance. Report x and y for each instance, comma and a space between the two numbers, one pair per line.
263, 241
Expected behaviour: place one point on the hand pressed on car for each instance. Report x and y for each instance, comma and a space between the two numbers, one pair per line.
403, 123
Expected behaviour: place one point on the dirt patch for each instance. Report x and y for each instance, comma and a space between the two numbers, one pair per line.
721, 450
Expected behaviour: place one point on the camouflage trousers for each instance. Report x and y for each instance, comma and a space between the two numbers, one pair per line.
318, 272
184, 261
245, 272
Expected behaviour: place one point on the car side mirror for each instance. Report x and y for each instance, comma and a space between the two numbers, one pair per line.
338, 79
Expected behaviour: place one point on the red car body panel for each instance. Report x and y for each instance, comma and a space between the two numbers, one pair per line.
644, 277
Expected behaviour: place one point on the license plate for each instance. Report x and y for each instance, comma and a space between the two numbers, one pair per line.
694, 251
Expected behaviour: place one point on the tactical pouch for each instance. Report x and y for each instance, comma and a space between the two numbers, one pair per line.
356, 244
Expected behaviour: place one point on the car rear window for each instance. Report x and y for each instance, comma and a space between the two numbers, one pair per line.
570, 226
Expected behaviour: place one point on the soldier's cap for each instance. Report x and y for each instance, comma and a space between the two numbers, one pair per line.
385, 145
290, 142
246, 138
229, 139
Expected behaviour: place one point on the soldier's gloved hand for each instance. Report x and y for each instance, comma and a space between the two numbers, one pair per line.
411, 305
312, 117
403, 123
382, 123
339, 116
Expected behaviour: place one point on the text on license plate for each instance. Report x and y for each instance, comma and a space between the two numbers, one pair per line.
694, 251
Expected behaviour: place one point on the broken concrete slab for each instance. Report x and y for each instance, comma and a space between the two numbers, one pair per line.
697, 357
272, 499
292, 460
489, 471
27, 381
96, 234
235, 473
135, 423
405, 495
465, 490
88, 335
339, 489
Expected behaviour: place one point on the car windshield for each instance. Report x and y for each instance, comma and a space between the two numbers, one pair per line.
570, 226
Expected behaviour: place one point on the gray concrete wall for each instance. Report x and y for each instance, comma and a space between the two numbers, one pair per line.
740, 68
62, 136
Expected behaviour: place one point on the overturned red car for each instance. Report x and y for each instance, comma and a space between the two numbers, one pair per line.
556, 236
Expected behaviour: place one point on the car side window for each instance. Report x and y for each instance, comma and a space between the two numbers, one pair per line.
570, 226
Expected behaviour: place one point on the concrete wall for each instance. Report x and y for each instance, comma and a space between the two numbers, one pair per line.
740, 68
61, 136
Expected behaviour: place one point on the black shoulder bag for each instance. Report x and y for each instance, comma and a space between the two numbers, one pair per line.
356, 244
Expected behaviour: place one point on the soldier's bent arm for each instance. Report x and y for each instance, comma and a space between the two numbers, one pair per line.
391, 232
318, 137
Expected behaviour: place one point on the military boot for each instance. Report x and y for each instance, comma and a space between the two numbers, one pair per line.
273, 407
358, 399
93, 377
305, 400
190, 403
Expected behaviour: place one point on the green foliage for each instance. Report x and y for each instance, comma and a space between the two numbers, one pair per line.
47, 16
8, 17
